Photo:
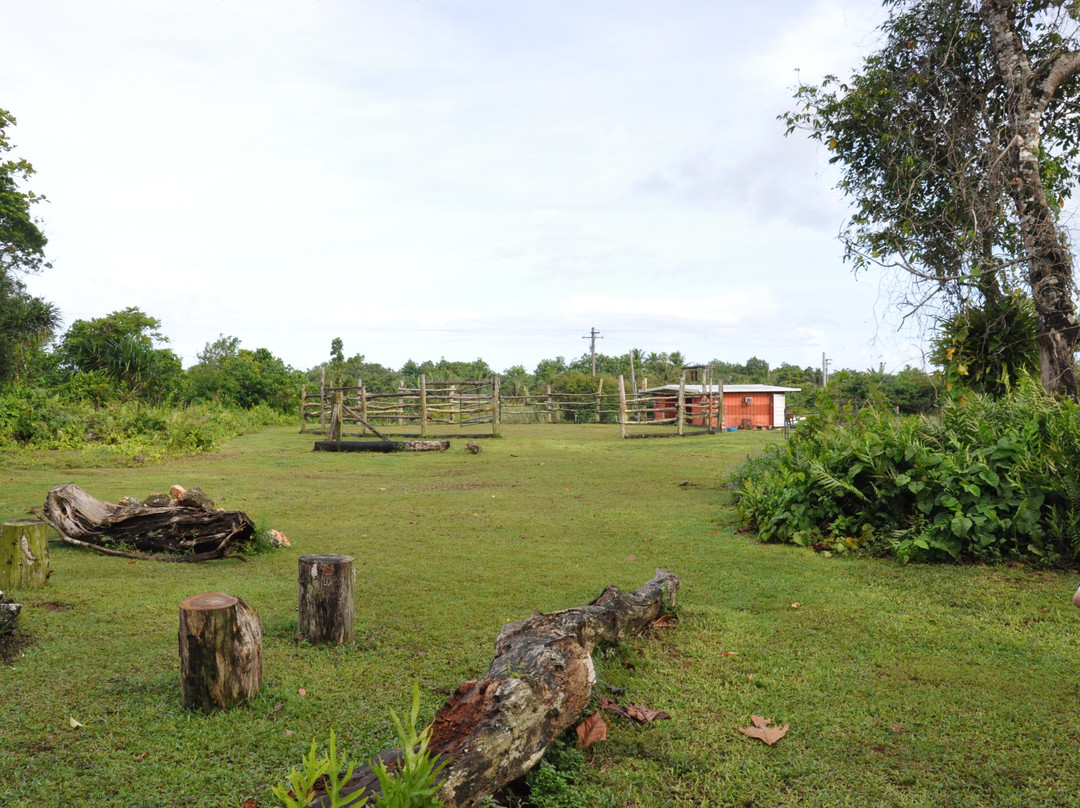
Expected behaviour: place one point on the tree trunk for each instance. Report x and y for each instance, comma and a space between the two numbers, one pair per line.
494, 730
1046, 248
381, 445
193, 533
326, 598
220, 652
24, 554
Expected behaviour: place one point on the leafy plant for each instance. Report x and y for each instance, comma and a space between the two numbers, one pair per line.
414, 783
298, 791
985, 479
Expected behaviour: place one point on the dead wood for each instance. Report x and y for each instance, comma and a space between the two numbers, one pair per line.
186, 533
381, 445
495, 729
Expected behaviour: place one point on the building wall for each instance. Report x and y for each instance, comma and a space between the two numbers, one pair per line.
751, 410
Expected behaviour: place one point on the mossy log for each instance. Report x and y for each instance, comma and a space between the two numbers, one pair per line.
24, 554
382, 445
325, 597
186, 533
492, 731
220, 652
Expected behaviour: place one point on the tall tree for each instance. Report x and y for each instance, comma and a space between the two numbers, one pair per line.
26, 322
958, 142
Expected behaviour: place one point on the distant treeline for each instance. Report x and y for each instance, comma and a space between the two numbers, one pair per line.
124, 357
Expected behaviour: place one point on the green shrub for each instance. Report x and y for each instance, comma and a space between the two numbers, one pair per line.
984, 479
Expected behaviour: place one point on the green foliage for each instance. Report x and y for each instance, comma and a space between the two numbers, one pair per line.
36, 418
236, 376
987, 348
22, 244
298, 791
557, 781
985, 479
414, 784
121, 345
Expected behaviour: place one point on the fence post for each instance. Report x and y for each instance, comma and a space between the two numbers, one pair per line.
496, 404
303, 407
401, 402
550, 406
681, 415
322, 399
423, 405
599, 393
335, 416
622, 407
720, 391
361, 391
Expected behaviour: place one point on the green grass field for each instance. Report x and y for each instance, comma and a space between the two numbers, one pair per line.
902, 685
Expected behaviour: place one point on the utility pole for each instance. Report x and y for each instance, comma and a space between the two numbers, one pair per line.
593, 336
825, 369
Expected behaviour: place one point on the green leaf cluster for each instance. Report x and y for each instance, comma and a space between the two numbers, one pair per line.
985, 479
414, 784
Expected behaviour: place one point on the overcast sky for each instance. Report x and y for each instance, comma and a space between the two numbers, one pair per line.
446, 178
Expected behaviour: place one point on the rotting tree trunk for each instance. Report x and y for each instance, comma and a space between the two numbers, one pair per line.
1050, 265
220, 652
494, 730
381, 445
24, 554
325, 596
190, 533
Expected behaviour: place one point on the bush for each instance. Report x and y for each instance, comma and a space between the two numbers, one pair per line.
984, 479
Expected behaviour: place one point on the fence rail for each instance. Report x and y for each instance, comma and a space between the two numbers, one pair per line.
474, 403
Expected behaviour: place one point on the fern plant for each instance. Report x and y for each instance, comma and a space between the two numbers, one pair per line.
414, 784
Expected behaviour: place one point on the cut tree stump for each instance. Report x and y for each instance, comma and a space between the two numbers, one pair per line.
326, 598
220, 651
494, 730
24, 554
190, 533
382, 445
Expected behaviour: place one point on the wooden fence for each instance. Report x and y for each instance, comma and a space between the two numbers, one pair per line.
460, 404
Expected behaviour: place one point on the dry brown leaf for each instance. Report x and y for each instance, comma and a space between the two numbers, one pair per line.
612, 706
141, 757
631, 558
666, 621
796, 605
762, 731
644, 714
302, 692
729, 653
249, 803
898, 728
591, 730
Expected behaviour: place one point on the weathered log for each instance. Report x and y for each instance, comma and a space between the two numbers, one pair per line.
494, 730
381, 445
220, 651
9, 615
475, 448
325, 595
24, 554
189, 533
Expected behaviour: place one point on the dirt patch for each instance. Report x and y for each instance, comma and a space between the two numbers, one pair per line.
58, 606
11, 645
470, 486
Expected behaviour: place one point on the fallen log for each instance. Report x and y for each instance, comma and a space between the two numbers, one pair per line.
492, 731
382, 445
185, 533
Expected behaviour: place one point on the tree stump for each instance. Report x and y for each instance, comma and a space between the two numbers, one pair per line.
220, 651
326, 598
24, 554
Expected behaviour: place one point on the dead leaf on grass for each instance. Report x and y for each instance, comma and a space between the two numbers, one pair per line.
249, 803
73, 723
612, 706
666, 621
796, 605
631, 558
644, 714
898, 728
591, 730
302, 692
762, 731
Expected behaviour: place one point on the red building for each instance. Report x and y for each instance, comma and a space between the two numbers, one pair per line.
746, 406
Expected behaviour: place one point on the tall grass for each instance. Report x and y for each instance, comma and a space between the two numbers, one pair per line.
32, 419
985, 479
